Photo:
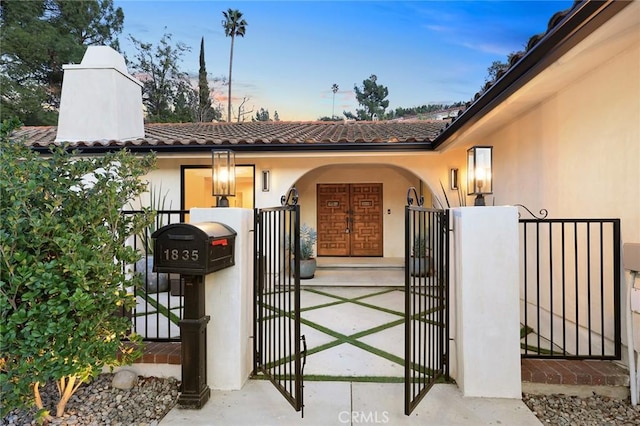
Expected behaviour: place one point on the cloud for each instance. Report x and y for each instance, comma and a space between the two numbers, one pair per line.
438, 28
488, 47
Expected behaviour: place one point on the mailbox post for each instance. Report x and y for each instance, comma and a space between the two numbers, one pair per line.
194, 250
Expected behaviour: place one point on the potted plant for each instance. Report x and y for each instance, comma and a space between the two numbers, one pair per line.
420, 263
308, 238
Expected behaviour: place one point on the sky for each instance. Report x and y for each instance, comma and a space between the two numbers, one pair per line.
423, 51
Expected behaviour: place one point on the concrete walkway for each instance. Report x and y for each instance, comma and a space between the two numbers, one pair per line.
369, 306
350, 403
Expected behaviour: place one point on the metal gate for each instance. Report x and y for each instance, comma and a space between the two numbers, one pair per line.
277, 340
426, 299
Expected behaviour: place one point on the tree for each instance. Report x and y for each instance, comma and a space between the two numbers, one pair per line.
185, 106
498, 67
494, 69
372, 97
234, 25
165, 86
206, 112
62, 246
334, 89
349, 115
334, 118
262, 115
38, 37
241, 109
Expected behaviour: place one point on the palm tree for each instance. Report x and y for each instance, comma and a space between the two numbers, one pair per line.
233, 25
334, 89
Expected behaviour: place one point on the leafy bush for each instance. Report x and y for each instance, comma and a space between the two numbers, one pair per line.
62, 247
308, 238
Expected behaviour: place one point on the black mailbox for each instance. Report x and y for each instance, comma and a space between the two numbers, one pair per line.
194, 248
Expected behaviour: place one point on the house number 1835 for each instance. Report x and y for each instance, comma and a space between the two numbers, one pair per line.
185, 255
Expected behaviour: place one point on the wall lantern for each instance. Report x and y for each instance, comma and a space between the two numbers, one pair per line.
479, 172
266, 180
223, 169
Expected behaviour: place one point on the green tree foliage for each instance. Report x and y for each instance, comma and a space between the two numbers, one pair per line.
185, 106
234, 25
262, 115
349, 115
423, 109
167, 92
38, 37
334, 90
62, 246
372, 97
206, 112
497, 68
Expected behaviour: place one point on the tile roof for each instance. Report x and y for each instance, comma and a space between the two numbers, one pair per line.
407, 134
256, 135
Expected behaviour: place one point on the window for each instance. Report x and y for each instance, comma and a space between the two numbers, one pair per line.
196, 187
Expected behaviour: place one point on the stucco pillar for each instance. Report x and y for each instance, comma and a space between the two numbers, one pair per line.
487, 305
228, 301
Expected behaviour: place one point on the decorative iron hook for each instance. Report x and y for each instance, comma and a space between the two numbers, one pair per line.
543, 212
291, 199
420, 200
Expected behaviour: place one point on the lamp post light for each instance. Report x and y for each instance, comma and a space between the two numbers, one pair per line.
479, 173
223, 176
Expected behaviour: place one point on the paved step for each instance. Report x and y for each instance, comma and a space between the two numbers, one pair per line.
339, 263
574, 377
539, 376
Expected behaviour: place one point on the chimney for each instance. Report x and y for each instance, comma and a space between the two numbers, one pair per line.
100, 101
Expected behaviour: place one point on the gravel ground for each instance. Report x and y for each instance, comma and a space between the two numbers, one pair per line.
98, 404
592, 411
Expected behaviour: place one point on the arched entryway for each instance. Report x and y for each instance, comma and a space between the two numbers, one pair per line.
358, 209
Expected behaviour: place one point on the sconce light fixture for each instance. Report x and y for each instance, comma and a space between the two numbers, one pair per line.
223, 169
266, 180
453, 179
479, 172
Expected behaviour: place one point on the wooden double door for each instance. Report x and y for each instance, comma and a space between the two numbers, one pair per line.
350, 219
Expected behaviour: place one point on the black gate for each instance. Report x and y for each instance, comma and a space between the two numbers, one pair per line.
277, 339
426, 298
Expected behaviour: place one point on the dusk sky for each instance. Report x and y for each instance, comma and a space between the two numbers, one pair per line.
424, 52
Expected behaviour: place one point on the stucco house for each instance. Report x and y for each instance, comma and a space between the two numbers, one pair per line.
563, 121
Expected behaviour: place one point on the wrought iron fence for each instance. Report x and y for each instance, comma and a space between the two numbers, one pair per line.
277, 339
159, 301
426, 298
570, 288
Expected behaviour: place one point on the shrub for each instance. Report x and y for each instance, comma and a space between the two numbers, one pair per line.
62, 249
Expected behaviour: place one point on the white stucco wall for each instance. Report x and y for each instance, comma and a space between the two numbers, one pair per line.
396, 171
575, 152
485, 310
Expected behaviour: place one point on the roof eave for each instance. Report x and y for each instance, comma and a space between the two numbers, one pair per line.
581, 21
284, 148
